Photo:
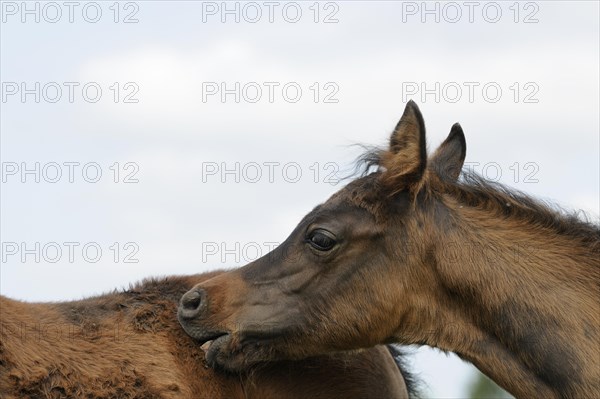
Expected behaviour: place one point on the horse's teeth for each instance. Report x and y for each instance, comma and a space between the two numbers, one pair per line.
206, 345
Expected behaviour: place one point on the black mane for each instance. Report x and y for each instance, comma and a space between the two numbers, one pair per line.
411, 381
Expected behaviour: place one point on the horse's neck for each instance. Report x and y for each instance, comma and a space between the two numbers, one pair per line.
524, 307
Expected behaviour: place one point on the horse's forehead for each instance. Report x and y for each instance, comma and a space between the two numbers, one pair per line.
362, 193
349, 195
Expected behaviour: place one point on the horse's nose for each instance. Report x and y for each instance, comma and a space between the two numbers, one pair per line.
192, 303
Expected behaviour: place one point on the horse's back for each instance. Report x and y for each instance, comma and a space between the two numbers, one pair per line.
130, 345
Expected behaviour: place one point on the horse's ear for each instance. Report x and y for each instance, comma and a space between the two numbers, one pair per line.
406, 158
448, 159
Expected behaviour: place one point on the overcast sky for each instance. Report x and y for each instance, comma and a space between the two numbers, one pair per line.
214, 136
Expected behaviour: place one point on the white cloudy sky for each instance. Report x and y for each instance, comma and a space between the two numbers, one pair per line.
371, 57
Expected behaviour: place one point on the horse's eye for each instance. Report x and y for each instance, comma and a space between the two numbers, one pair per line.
321, 240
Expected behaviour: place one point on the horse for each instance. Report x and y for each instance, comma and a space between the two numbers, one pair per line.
417, 251
128, 344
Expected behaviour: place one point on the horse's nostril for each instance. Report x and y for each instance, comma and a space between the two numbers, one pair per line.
192, 301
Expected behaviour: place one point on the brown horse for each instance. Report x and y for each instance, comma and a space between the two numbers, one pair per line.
130, 345
412, 253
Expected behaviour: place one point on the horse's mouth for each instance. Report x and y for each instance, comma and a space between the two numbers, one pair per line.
216, 341
231, 353
205, 340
